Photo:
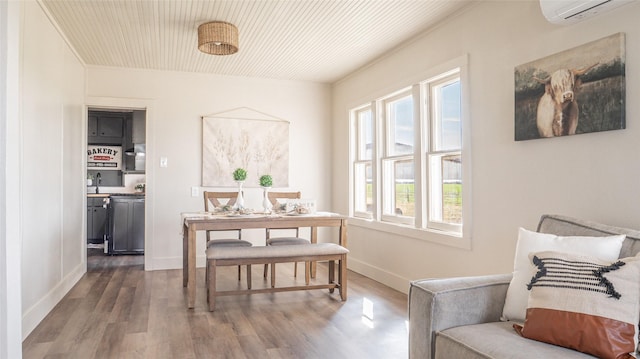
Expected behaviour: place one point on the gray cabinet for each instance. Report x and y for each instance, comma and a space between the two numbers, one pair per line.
106, 128
96, 220
127, 225
93, 126
111, 126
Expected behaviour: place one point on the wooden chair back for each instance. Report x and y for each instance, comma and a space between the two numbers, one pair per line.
215, 197
275, 196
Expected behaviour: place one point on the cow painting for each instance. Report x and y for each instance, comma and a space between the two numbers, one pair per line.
557, 113
580, 90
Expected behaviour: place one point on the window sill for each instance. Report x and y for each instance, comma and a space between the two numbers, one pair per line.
428, 235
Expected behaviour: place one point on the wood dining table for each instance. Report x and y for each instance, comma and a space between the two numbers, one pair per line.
204, 221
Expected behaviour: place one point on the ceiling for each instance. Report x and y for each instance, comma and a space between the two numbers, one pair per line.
308, 40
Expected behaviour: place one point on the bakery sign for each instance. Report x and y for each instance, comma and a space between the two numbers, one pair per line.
104, 157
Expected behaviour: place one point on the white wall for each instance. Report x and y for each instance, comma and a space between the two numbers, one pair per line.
592, 176
52, 182
10, 286
174, 130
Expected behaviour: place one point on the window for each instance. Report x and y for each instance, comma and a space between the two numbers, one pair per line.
398, 201
444, 152
408, 156
363, 171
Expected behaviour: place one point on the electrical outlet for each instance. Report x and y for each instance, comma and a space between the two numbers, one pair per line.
194, 191
163, 162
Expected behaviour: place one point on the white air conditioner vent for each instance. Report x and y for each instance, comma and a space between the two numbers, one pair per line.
565, 12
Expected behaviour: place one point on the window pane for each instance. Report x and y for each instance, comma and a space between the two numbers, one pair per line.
400, 124
363, 187
365, 135
452, 189
369, 187
404, 188
446, 189
447, 124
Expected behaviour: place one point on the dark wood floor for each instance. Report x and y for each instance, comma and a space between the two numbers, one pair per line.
118, 310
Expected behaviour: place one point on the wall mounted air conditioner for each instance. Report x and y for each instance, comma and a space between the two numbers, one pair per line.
565, 12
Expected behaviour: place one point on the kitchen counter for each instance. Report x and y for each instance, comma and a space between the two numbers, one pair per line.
105, 195
98, 195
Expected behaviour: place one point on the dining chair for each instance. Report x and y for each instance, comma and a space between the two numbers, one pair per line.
212, 200
274, 197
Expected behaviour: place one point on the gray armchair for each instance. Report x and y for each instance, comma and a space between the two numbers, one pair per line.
439, 304
460, 317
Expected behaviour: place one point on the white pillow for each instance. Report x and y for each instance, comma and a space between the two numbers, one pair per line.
515, 305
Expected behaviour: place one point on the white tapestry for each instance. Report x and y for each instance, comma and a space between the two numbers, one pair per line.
259, 144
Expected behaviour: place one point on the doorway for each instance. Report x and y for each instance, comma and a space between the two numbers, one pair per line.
116, 186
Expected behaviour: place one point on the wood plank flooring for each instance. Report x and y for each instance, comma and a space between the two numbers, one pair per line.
117, 310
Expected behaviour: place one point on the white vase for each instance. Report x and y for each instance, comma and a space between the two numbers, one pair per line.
240, 200
266, 203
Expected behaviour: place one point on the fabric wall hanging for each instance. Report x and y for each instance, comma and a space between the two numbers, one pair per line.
248, 139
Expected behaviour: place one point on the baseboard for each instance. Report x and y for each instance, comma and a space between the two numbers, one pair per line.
164, 263
174, 263
34, 315
378, 274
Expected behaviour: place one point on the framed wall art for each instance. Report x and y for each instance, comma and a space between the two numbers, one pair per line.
580, 90
248, 139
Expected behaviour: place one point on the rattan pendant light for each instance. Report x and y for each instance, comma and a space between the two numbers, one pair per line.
218, 38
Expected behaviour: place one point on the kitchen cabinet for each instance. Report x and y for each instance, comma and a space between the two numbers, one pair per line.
96, 220
106, 127
92, 127
127, 225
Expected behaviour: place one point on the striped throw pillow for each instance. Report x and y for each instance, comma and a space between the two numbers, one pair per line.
584, 303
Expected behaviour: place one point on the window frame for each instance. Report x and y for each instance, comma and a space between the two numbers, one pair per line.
389, 158
420, 228
433, 150
360, 161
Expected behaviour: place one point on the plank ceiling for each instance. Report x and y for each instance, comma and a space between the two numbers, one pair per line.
309, 40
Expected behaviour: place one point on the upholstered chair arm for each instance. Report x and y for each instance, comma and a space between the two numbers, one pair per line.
438, 304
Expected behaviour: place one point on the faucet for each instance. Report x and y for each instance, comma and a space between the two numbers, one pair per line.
98, 180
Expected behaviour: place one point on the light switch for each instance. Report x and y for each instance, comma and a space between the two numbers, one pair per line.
194, 191
163, 162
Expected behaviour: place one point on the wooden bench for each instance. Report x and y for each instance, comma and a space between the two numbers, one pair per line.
232, 256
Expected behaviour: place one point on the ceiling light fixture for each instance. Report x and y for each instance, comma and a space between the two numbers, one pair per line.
218, 38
